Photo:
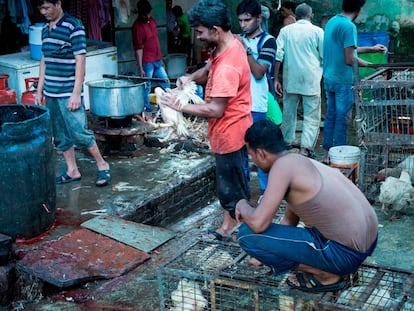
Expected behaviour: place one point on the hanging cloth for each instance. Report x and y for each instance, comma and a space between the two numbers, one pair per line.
99, 17
19, 14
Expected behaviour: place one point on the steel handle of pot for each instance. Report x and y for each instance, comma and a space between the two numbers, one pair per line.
134, 78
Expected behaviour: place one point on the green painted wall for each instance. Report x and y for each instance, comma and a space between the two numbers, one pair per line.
394, 16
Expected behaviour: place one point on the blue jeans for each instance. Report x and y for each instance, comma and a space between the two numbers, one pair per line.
154, 70
340, 100
261, 175
283, 248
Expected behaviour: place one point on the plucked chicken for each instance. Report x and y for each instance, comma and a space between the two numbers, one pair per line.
184, 94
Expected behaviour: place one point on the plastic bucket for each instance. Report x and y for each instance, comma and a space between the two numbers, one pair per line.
345, 157
35, 40
176, 65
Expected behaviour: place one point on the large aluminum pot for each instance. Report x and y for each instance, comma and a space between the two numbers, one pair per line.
115, 98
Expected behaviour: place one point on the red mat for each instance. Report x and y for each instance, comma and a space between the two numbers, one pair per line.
80, 256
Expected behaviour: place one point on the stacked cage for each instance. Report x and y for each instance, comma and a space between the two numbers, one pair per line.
214, 276
384, 118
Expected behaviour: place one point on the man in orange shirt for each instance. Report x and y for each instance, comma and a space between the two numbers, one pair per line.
227, 104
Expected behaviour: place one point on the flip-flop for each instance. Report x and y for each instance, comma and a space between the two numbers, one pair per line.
65, 178
307, 279
216, 235
105, 176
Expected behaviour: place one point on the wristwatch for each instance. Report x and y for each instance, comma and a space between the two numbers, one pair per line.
249, 51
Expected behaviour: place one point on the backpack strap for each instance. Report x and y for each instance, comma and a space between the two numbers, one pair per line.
264, 36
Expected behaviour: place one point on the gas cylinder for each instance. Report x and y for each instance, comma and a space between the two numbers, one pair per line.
28, 97
7, 95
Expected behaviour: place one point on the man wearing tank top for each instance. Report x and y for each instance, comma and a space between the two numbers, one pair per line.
339, 225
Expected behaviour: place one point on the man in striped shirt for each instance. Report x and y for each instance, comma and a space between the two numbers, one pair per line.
61, 76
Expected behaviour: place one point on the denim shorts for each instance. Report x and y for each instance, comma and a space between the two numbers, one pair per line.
69, 127
283, 248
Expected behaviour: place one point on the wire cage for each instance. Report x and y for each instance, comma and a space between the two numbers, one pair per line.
385, 125
385, 106
380, 161
374, 288
214, 276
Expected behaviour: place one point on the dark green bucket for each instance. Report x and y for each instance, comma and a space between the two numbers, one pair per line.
27, 182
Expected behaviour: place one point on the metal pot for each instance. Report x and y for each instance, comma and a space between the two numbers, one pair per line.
116, 98
176, 65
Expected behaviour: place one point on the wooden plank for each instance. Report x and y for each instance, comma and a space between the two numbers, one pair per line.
139, 236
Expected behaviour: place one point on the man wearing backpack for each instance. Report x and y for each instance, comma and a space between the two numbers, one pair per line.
261, 51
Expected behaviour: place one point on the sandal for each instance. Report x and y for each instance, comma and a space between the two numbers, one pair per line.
308, 283
103, 179
65, 178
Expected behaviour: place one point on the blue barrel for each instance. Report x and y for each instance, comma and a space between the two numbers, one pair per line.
27, 179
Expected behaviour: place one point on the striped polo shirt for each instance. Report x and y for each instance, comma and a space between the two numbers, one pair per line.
59, 46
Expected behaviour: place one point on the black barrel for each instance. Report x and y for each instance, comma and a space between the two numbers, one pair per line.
27, 182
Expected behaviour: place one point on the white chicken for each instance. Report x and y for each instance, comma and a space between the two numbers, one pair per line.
188, 297
185, 94
407, 164
396, 193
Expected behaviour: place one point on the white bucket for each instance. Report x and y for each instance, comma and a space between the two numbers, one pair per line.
35, 40
345, 157
176, 65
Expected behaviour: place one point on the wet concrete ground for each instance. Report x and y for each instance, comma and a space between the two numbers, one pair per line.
138, 289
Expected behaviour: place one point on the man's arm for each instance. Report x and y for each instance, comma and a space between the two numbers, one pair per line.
276, 82
267, 54
258, 69
378, 48
259, 219
350, 56
75, 98
214, 109
200, 76
138, 57
41, 83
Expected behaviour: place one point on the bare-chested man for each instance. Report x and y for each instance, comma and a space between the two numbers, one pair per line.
340, 225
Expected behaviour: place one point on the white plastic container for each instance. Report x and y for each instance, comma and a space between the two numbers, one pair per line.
344, 154
35, 40
345, 157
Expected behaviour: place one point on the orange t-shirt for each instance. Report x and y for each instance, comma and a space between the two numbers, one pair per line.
229, 76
